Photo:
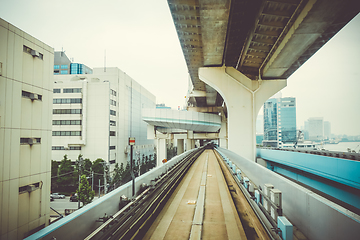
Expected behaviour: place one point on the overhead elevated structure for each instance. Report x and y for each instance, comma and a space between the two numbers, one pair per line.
180, 126
252, 45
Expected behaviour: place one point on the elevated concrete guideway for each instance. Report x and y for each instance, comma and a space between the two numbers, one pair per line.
181, 126
239, 53
173, 119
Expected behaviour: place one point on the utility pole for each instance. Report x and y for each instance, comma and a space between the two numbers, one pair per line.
79, 162
105, 184
132, 143
99, 188
92, 181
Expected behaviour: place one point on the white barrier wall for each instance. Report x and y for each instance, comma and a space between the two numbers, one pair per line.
317, 217
81, 223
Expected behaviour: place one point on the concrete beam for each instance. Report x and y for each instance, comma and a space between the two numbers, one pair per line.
205, 109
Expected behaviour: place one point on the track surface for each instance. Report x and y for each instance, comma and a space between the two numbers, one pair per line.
178, 219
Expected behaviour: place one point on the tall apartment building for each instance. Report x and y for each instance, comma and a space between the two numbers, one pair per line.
279, 121
26, 80
95, 114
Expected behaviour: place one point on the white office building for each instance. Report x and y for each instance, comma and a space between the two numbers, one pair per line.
26, 83
316, 128
95, 114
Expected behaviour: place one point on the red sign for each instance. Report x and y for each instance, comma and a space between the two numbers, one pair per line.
132, 141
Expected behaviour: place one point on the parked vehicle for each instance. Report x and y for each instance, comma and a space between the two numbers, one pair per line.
57, 196
73, 198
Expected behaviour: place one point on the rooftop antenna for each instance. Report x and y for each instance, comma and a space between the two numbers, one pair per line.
105, 61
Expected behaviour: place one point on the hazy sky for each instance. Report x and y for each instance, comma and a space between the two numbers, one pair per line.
139, 37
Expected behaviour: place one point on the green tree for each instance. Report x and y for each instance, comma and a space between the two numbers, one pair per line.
66, 173
126, 175
87, 165
98, 169
84, 192
54, 174
116, 179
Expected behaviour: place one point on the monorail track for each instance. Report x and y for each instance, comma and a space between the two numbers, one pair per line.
134, 219
196, 199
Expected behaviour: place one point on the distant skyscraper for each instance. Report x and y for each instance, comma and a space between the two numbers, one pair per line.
316, 128
260, 124
327, 130
279, 121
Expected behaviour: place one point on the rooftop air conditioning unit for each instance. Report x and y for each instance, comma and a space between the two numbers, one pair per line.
35, 53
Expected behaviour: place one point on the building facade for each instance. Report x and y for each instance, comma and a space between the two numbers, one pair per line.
316, 128
279, 121
26, 83
95, 114
63, 65
327, 130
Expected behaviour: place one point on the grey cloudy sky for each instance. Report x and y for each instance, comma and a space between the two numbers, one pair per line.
139, 37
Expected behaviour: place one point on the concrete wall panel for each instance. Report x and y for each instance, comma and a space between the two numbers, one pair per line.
317, 217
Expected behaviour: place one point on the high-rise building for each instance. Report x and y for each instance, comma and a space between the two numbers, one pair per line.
327, 130
95, 114
63, 65
26, 80
316, 129
279, 121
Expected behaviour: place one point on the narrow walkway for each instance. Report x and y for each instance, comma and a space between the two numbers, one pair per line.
200, 208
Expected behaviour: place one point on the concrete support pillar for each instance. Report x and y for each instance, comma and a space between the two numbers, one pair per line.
180, 146
223, 141
160, 151
244, 98
190, 142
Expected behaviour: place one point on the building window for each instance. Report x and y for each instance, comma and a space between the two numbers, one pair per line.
29, 188
67, 111
56, 67
75, 148
57, 90
72, 90
30, 141
66, 100
64, 66
64, 72
112, 112
112, 147
112, 123
112, 133
66, 133
113, 92
32, 96
32, 52
66, 122
57, 148
112, 102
